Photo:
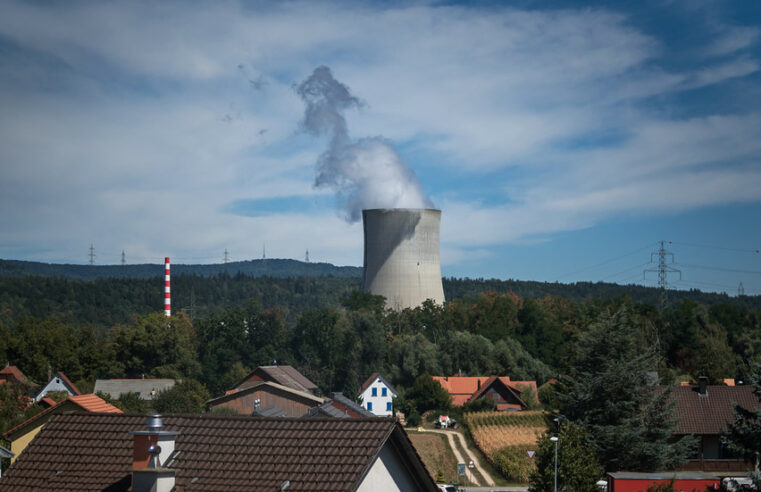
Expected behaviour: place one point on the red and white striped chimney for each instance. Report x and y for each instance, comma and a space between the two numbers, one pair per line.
167, 294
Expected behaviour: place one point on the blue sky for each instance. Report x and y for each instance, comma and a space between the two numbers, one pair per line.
561, 140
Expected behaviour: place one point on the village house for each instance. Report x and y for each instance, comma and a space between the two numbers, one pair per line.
59, 382
265, 398
283, 375
377, 395
338, 406
12, 374
706, 411
21, 435
507, 394
118, 452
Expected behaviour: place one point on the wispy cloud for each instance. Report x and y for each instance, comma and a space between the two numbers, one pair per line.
142, 126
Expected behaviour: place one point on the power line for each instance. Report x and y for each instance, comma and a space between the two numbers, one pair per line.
628, 269
698, 282
724, 248
648, 246
719, 269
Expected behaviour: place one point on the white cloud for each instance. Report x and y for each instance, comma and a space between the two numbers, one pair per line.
130, 123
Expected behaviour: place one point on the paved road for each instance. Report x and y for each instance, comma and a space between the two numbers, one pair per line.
471, 456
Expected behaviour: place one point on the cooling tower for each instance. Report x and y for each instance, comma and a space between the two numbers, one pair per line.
402, 256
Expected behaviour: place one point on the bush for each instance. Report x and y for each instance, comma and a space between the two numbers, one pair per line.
414, 419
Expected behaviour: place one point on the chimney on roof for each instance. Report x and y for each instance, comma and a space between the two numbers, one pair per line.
459, 372
479, 383
702, 385
153, 451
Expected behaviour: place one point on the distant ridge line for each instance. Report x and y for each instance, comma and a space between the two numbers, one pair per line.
281, 268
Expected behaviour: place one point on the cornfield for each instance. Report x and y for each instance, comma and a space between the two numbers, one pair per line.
504, 438
518, 419
491, 438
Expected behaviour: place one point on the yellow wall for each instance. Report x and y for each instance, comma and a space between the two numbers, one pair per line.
22, 437
23, 440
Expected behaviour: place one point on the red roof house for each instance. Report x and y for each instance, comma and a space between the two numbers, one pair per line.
506, 394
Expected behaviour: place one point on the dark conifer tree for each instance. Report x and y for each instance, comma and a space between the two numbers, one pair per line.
630, 421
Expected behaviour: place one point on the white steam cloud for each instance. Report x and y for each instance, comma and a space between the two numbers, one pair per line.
364, 173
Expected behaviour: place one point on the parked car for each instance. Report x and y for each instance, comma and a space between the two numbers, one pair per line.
444, 421
447, 488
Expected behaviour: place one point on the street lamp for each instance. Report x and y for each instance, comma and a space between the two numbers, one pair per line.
555, 440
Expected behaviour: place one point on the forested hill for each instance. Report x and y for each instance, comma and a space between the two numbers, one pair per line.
271, 267
297, 287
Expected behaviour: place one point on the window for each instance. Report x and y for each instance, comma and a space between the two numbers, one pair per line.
383, 391
388, 406
375, 392
369, 405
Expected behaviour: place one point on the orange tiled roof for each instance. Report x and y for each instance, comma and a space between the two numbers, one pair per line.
93, 403
88, 403
463, 387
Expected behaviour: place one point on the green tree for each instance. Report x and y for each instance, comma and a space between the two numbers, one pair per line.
630, 422
578, 470
188, 396
158, 346
744, 435
427, 394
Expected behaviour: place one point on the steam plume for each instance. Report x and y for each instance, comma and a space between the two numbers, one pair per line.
364, 173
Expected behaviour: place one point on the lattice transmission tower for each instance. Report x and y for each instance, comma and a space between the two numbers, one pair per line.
663, 269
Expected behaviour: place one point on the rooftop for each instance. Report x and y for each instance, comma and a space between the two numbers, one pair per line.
95, 451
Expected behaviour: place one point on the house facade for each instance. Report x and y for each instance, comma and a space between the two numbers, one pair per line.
59, 382
266, 398
378, 395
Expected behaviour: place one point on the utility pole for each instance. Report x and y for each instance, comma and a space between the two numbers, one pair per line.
225, 260
663, 270
92, 254
124, 263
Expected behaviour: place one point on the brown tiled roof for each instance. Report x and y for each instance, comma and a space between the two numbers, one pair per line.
494, 380
368, 382
94, 452
712, 412
285, 375
251, 386
13, 372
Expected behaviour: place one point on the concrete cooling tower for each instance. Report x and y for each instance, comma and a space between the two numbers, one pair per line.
402, 256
